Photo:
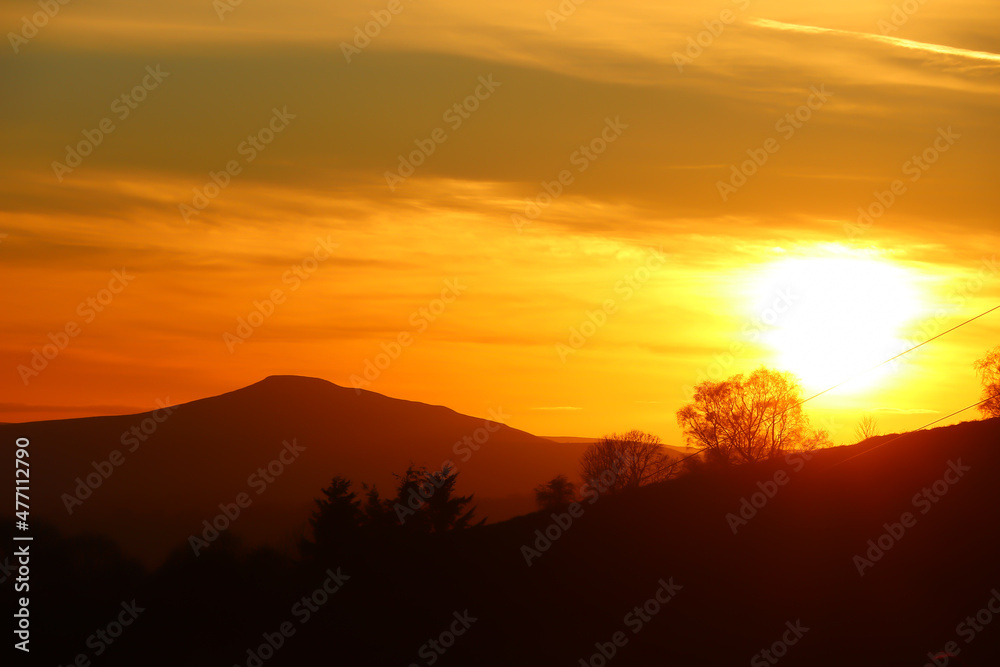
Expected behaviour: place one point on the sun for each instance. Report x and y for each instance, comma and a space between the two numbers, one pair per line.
829, 318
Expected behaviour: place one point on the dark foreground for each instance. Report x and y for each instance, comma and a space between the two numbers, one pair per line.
653, 577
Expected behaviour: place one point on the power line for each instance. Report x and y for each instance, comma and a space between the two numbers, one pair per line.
881, 444
903, 435
879, 365
868, 370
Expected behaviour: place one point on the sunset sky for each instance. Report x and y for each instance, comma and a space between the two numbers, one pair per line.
712, 160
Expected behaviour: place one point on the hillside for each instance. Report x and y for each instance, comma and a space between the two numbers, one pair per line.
173, 473
872, 555
792, 560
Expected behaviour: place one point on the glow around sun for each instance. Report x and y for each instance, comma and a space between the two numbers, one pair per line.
838, 317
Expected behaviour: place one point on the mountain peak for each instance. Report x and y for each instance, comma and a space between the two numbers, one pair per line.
290, 380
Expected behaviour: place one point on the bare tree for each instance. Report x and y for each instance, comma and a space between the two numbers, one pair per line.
988, 369
626, 460
749, 418
866, 428
556, 493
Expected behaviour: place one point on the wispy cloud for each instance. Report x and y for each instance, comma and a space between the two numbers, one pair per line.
939, 49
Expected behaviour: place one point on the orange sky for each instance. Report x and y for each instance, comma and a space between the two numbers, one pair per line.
637, 108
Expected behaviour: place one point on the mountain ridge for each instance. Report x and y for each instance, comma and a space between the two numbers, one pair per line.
191, 456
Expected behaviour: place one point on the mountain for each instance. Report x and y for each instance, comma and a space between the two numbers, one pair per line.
881, 554
878, 554
179, 464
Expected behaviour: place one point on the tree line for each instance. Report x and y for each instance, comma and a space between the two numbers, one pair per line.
741, 420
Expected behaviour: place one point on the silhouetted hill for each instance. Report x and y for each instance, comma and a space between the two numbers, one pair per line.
784, 578
203, 453
793, 561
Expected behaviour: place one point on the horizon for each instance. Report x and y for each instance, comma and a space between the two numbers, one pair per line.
520, 208
682, 445
420, 332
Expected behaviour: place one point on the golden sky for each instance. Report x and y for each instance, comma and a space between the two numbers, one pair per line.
706, 158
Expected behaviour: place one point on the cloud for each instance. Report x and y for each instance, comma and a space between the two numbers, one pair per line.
934, 49
325, 174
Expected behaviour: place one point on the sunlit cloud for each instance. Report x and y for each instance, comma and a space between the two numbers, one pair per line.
936, 49
656, 186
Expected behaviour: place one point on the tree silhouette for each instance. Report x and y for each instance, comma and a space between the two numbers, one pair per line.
336, 521
425, 502
748, 418
376, 512
866, 428
988, 369
445, 510
555, 494
627, 460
